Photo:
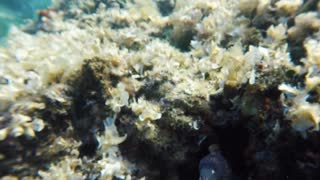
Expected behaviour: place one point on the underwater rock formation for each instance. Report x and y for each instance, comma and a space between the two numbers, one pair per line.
140, 89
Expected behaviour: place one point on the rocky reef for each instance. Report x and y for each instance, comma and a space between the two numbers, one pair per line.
142, 89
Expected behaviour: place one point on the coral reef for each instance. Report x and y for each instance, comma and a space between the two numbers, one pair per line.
140, 89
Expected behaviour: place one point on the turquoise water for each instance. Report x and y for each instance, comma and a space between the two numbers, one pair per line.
16, 12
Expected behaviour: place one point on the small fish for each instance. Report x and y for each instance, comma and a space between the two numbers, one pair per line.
214, 166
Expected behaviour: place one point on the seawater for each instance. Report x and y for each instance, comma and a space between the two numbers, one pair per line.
17, 12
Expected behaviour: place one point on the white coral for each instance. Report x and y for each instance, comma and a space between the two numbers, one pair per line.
64, 170
119, 97
146, 110
303, 115
289, 6
21, 125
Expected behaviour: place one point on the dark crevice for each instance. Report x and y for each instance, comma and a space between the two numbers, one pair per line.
182, 39
88, 103
233, 142
297, 51
177, 36
313, 96
294, 79
166, 7
150, 90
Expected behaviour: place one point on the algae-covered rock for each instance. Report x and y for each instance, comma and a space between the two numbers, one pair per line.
120, 89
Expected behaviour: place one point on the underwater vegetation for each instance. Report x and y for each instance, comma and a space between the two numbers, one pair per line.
163, 89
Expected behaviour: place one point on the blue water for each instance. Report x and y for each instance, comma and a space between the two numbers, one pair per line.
17, 12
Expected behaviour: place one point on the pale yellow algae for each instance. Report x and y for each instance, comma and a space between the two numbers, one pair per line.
193, 53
